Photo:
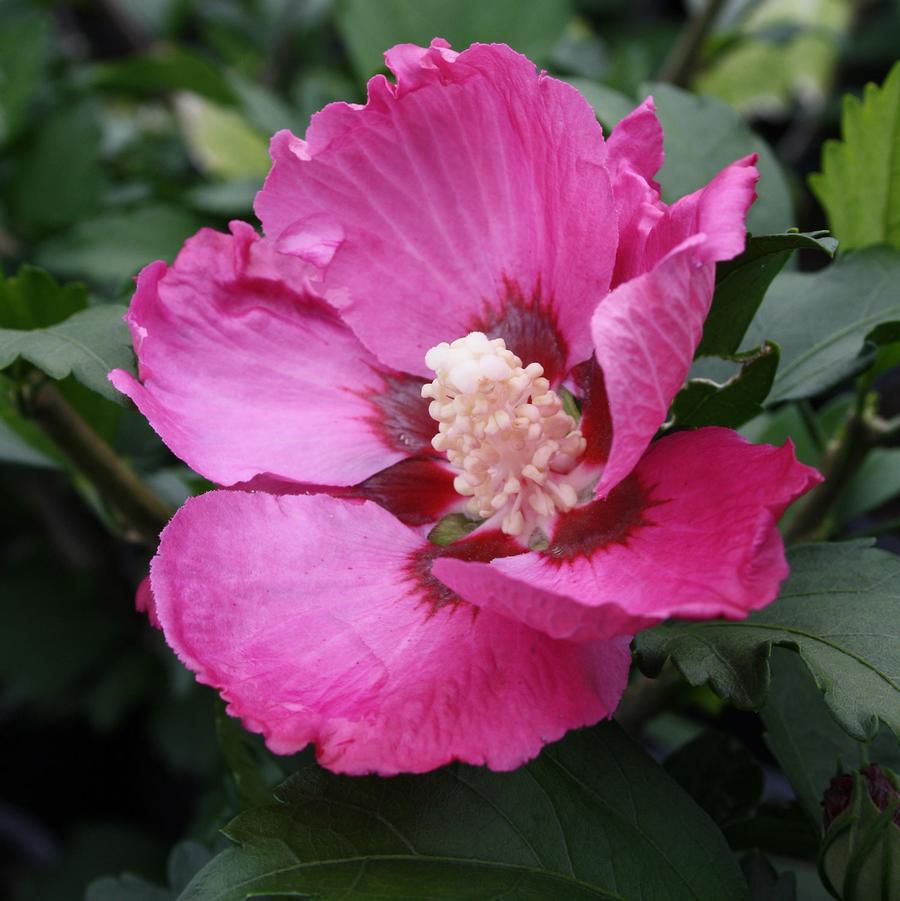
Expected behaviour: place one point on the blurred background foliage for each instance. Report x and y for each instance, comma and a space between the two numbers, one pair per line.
125, 125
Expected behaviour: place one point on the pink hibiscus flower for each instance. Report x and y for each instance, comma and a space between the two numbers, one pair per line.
466, 237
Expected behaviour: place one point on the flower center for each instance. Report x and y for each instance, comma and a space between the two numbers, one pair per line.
504, 430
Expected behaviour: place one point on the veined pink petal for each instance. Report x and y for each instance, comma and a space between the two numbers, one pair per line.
471, 195
646, 331
690, 534
636, 144
634, 156
319, 621
645, 334
243, 371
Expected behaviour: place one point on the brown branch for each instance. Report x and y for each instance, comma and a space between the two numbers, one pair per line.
142, 512
681, 62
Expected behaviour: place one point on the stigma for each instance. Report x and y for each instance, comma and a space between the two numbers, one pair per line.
504, 430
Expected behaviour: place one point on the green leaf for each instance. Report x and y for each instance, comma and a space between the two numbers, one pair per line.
25, 45
86, 345
859, 184
60, 179
822, 320
166, 67
875, 483
220, 140
254, 775
592, 817
839, 609
368, 29
50, 326
110, 248
806, 739
34, 299
702, 136
742, 283
702, 402
782, 55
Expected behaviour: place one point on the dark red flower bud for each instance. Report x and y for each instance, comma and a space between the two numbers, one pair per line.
880, 788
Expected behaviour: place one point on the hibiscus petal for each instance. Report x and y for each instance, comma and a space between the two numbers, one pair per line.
319, 621
471, 195
636, 143
634, 156
243, 371
646, 331
691, 534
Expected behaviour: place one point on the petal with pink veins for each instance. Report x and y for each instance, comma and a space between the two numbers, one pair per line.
319, 621
470, 195
646, 331
243, 371
691, 533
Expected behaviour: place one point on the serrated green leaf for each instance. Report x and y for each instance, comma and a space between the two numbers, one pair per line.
702, 402
822, 320
702, 136
839, 609
87, 346
742, 283
592, 817
859, 185
806, 739
34, 299
368, 29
